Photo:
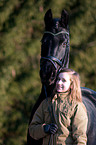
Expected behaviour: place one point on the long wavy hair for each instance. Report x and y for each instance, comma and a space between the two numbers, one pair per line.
74, 90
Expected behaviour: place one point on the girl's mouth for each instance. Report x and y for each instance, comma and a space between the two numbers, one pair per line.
60, 87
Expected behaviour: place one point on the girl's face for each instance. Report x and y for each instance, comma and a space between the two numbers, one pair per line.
63, 82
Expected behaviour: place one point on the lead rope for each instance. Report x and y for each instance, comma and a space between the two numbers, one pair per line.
51, 116
50, 111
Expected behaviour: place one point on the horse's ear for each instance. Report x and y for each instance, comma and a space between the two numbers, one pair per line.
64, 19
48, 18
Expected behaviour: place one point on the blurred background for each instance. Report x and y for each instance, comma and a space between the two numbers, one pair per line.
21, 29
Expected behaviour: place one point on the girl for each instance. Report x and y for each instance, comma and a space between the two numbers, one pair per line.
66, 109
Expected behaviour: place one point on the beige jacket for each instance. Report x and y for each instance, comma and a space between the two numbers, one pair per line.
71, 119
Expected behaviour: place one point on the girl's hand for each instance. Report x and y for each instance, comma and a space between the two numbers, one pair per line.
50, 128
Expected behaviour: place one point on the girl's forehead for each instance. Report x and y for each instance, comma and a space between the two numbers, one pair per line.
64, 75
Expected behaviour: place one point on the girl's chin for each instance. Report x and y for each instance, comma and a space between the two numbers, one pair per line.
59, 91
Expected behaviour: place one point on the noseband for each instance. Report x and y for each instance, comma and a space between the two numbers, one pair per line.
53, 59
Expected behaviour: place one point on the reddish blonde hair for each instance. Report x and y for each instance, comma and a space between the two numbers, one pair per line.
75, 90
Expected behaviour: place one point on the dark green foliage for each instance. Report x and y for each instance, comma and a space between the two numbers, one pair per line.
21, 29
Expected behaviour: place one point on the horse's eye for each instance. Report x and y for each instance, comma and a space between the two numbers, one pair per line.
63, 80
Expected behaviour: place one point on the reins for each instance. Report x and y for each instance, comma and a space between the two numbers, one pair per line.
50, 111
51, 116
53, 60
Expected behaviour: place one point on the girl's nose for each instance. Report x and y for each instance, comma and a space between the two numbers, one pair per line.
59, 81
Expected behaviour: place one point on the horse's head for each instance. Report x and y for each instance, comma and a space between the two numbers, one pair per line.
55, 47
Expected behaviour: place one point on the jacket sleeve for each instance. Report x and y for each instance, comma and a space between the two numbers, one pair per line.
79, 125
36, 126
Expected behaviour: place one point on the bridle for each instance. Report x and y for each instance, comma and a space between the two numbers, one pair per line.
53, 59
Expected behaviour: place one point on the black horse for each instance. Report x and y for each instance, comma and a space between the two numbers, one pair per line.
54, 56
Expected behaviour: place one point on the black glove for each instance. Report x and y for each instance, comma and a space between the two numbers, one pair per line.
50, 128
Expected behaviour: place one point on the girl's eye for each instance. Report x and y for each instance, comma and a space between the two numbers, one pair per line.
63, 80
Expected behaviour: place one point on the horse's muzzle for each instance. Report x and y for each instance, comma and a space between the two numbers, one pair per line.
47, 73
